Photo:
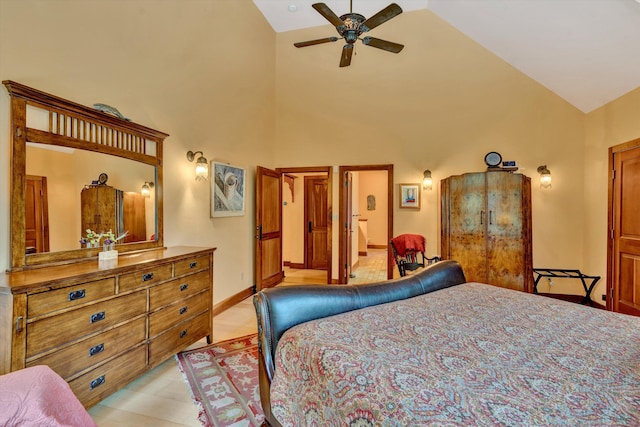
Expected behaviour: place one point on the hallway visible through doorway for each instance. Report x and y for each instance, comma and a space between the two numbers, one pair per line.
370, 268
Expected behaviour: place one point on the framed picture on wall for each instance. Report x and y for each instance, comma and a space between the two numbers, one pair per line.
227, 190
409, 196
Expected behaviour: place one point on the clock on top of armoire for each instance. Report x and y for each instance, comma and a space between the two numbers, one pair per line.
486, 227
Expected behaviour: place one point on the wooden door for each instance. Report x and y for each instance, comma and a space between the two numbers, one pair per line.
36, 214
624, 252
316, 221
464, 222
134, 217
507, 254
268, 226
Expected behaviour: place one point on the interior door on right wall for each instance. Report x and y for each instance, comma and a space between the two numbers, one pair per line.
624, 248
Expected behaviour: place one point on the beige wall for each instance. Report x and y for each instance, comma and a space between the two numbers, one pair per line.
205, 72
441, 104
202, 71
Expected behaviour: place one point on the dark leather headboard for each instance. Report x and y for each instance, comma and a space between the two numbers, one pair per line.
281, 308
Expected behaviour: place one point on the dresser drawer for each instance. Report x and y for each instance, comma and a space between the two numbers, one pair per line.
54, 331
167, 317
178, 289
97, 384
178, 338
80, 356
141, 278
190, 266
48, 302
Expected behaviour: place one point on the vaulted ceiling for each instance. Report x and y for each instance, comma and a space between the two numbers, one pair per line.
585, 51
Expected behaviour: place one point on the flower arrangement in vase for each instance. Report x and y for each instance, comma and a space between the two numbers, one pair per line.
92, 239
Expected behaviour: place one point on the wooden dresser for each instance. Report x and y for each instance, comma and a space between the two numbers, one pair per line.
100, 328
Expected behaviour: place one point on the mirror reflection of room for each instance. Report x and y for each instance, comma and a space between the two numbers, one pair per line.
65, 197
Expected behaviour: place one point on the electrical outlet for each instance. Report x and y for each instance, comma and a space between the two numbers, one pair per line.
604, 297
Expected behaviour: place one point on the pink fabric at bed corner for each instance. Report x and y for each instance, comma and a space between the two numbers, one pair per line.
37, 396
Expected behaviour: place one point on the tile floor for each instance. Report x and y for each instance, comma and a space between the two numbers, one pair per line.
371, 268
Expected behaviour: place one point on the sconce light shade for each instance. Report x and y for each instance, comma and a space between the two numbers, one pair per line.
545, 176
146, 189
427, 182
202, 166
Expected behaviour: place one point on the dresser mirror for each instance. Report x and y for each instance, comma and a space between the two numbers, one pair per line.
70, 191
76, 168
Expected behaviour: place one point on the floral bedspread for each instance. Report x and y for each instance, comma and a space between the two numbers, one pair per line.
470, 355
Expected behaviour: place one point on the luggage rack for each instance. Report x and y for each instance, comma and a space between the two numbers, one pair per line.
567, 274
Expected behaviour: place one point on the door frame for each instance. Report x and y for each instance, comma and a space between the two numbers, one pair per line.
328, 171
611, 220
342, 244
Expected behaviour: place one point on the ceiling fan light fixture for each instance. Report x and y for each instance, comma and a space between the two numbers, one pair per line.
351, 25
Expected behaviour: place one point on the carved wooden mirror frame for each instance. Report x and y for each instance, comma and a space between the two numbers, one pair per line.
79, 127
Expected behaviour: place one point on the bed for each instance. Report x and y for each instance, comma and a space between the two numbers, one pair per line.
37, 396
432, 349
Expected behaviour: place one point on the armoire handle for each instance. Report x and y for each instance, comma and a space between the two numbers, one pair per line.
481, 217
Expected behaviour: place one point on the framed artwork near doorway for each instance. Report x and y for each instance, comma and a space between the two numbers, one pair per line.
227, 190
409, 196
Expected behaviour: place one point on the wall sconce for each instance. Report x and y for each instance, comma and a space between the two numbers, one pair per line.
427, 182
202, 166
146, 189
545, 176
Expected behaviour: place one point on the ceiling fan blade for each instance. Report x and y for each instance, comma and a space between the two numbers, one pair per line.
328, 14
347, 51
382, 44
381, 17
314, 42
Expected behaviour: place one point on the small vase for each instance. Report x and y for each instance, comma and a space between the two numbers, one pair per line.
108, 247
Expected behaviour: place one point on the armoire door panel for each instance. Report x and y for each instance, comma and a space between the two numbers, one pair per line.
505, 227
467, 208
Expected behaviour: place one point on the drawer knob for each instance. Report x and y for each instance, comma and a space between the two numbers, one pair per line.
184, 309
96, 349
183, 333
147, 276
79, 294
184, 287
98, 381
96, 317
194, 264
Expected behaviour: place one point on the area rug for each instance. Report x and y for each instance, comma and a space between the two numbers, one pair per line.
223, 379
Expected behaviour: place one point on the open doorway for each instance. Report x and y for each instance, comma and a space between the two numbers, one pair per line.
273, 187
366, 219
306, 224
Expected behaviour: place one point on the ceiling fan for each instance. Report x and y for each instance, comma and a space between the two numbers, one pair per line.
351, 25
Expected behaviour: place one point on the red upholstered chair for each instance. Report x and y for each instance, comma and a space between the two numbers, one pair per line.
408, 253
